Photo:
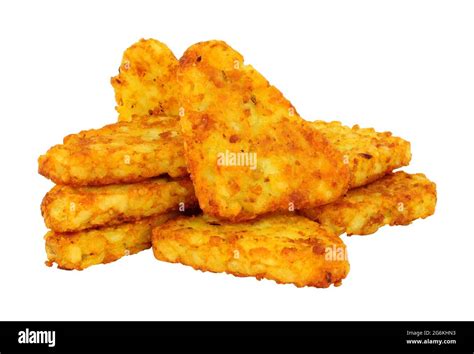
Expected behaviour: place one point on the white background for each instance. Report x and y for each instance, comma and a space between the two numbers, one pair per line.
403, 66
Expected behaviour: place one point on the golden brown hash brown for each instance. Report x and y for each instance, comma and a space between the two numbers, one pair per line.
146, 83
396, 199
232, 115
67, 209
123, 152
284, 248
82, 249
370, 154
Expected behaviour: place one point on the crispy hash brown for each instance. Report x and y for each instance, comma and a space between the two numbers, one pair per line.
79, 250
146, 83
67, 209
396, 199
248, 150
124, 152
370, 154
284, 248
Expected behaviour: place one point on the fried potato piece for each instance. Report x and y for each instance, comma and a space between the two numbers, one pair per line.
247, 149
123, 152
396, 199
370, 154
79, 250
284, 248
67, 209
146, 83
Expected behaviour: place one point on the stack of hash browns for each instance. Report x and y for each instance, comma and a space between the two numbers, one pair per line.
156, 178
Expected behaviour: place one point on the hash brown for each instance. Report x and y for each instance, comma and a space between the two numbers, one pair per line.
146, 83
396, 199
370, 154
67, 209
124, 152
230, 109
82, 249
284, 248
